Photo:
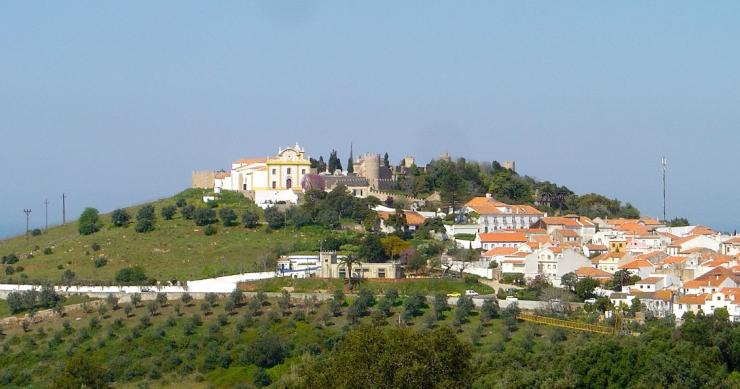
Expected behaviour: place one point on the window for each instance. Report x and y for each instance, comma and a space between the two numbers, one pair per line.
381, 273
274, 185
303, 171
288, 170
274, 171
245, 186
342, 273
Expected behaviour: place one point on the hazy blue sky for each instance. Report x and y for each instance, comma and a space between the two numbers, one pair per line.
116, 103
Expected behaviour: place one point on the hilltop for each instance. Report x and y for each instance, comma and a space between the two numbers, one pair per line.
176, 249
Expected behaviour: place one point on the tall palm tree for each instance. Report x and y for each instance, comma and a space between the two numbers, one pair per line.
349, 261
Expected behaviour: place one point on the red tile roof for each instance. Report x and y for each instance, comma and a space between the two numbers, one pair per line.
650, 280
499, 251
493, 237
592, 272
487, 206
636, 264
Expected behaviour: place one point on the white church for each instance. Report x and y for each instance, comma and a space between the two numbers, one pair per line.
270, 180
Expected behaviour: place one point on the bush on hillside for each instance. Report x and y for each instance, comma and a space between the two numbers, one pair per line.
250, 218
36, 232
9, 259
274, 217
187, 211
145, 219
130, 275
168, 212
210, 230
204, 216
120, 218
228, 216
89, 222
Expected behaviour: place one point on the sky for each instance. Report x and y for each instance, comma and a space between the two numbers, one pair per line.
116, 103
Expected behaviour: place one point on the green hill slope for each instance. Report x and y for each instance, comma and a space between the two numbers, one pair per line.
176, 249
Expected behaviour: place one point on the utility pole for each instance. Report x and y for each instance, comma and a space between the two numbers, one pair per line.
64, 208
28, 213
46, 214
664, 163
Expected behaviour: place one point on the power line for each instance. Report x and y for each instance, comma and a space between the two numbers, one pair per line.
64, 208
28, 213
664, 163
46, 214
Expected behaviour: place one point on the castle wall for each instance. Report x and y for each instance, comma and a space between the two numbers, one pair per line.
203, 179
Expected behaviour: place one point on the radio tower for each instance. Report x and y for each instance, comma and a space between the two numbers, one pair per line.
664, 164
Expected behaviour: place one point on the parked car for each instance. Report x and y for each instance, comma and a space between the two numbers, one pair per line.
455, 294
511, 298
590, 301
471, 292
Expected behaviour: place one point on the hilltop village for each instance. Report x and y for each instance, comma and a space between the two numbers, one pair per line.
622, 259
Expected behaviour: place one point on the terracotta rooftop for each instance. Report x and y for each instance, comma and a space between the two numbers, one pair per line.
592, 272
693, 299
650, 280
487, 206
493, 237
499, 251
636, 264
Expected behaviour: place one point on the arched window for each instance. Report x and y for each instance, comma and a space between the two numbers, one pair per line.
289, 183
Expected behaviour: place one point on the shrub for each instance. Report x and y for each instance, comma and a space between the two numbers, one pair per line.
145, 219
95, 246
9, 270
112, 301
210, 230
10, 259
204, 216
136, 299
68, 277
100, 261
153, 308
36, 232
228, 216
187, 211
275, 218
186, 299
120, 218
168, 212
250, 218
162, 299
131, 274
89, 222
181, 203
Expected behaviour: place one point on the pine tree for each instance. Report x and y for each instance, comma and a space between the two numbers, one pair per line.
350, 162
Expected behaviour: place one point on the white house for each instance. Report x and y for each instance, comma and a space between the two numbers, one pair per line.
268, 180
730, 246
494, 215
581, 225
639, 267
491, 240
553, 263
690, 242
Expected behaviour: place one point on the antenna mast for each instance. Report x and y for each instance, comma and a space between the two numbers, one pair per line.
664, 164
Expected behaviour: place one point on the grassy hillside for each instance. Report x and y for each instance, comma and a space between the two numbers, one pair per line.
176, 249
